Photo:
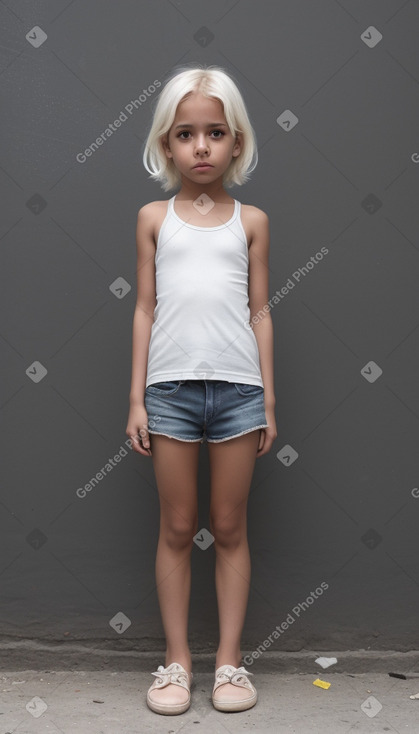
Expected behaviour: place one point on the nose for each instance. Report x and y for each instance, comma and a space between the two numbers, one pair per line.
201, 144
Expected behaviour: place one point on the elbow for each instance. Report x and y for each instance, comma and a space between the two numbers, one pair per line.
259, 317
144, 309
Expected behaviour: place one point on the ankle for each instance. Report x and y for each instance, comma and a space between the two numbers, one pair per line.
228, 659
183, 658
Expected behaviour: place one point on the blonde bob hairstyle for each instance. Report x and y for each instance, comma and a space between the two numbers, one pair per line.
211, 81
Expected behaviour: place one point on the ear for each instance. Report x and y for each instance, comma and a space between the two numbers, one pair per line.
166, 147
237, 145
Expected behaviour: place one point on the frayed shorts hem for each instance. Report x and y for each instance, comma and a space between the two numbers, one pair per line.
209, 440
160, 433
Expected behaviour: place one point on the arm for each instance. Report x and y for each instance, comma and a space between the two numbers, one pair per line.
262, 323
142, 323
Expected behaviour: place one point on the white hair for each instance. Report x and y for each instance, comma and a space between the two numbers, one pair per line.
211, 81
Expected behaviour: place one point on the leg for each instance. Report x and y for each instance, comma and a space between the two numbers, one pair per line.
176, 467
232, 464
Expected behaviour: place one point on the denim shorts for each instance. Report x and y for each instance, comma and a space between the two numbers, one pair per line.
204, 410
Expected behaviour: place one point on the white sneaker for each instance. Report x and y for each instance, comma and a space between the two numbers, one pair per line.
174, 673
238, 677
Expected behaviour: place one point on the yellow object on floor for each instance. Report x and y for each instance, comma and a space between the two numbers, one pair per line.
321, 683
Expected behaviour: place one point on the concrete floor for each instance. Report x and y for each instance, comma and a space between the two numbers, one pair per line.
113, 701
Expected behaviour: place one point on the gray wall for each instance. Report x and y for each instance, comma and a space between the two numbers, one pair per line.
336, 500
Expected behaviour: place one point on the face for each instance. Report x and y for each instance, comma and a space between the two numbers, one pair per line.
194, 138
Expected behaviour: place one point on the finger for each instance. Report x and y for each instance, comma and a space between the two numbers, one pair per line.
145, 438
261, 442
136, 442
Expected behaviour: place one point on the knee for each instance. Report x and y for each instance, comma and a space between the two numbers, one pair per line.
227, 532
178, 533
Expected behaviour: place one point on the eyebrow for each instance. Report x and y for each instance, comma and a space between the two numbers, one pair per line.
210, 124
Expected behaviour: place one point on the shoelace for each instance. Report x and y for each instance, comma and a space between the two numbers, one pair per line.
234, 674
170, 676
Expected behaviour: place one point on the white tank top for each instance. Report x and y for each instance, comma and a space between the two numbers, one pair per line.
201, 328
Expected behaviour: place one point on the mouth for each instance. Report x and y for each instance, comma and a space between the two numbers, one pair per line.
203, 165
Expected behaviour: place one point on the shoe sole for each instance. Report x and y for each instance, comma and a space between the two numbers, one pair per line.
243, 705
171, 709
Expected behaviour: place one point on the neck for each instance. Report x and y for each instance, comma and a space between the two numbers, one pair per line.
189, 191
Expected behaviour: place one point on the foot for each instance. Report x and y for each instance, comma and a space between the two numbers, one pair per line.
171, 696
238, 695
228, 691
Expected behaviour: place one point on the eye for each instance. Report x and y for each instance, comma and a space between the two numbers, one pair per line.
186, 132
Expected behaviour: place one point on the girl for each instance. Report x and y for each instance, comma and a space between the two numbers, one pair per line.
202, 366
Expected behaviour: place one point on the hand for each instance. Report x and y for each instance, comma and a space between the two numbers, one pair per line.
137, 430
269, 434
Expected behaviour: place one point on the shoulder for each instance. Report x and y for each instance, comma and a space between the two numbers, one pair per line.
151, 215
152, 209
257, 221
255, 212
